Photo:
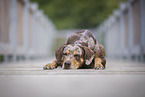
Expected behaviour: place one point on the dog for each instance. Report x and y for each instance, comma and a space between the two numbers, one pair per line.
81, 51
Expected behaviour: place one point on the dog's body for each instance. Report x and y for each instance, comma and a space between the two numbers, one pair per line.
80, 51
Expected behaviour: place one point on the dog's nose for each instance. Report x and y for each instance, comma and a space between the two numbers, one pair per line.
67, 63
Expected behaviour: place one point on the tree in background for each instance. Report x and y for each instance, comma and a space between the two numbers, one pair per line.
79, 14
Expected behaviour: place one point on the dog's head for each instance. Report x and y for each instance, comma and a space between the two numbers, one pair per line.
74, 56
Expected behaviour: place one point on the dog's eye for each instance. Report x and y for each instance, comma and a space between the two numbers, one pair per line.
64, 54
77, 56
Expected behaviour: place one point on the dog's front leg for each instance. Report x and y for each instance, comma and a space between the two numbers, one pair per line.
98, 64
53, 65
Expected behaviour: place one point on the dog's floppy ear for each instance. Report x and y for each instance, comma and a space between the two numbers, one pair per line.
88, 55
59, 53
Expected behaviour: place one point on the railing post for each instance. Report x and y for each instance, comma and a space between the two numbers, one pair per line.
130, 29
25, 29
142, 29
13, 27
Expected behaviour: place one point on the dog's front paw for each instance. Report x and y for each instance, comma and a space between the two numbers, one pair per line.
98, 64
50, 66
99, 67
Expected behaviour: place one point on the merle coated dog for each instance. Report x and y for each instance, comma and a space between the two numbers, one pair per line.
81, 51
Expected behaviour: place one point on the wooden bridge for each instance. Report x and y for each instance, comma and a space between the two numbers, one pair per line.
121, 78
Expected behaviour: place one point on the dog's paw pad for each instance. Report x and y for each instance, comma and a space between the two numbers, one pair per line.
96, 68
45, 68
102, 68
99, 68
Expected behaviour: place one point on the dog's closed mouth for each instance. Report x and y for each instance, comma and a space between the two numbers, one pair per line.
67, 67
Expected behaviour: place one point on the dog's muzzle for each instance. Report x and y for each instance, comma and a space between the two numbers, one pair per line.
67, 65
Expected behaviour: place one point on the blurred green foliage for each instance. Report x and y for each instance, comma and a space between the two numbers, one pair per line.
1, 58
77, 13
